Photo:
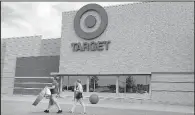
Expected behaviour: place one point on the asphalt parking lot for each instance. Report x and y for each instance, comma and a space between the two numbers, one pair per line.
26, 108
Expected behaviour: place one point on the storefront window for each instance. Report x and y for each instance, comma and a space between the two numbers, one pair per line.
107, 84
102, 84
68, 82
134, 84
65, 83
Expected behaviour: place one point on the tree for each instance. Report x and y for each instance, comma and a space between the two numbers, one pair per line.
130, 82
94, 82
112, 88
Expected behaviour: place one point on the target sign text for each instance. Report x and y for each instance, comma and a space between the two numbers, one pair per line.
92, 46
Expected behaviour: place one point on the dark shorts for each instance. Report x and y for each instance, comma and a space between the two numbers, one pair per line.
54, 91
79, 96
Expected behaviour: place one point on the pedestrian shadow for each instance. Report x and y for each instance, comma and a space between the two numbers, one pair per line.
55, 113
37, 112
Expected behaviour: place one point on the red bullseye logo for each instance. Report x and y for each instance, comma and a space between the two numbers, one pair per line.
94, 24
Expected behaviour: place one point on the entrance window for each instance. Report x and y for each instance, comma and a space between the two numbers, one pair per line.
68, 83
134, 84
102, 84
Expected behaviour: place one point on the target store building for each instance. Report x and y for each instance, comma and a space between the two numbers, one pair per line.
142, 51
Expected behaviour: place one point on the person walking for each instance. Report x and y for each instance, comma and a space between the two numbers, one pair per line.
53, 97
78, 96
75, 87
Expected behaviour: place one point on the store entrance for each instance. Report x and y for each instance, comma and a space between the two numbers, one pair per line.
109, 85
90, 83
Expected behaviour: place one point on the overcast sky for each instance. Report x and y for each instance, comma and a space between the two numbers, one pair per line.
37, 18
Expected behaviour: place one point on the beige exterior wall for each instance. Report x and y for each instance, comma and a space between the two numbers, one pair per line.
173, 88
50, 47
11, 48
3, 48
17, 47
145, 37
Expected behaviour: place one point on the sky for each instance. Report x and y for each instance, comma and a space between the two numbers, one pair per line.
37, 18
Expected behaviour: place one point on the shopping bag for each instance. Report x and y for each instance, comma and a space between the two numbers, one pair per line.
39, 97
47, 93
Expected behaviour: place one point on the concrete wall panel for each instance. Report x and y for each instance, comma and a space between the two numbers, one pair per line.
145, 37
33, 80
40, 66
173, 78
3, 49
178, 98
173, 87
17, 47
169, 88
50, 47
7, 90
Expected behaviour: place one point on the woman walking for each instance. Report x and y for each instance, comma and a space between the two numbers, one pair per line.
53, 97
78, 96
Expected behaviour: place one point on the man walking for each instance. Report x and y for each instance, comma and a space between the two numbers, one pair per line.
53, 97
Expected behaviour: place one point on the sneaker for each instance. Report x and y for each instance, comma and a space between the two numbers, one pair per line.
59, 111
46, 111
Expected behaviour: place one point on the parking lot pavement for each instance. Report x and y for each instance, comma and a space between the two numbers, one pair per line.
10, 107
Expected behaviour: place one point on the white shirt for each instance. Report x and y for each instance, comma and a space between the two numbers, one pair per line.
80, 88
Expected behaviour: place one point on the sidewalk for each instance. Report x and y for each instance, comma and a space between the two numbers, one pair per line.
109, 104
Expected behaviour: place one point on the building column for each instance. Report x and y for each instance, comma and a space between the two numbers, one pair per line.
62, 82
88, 78
94, 85
61, 85
68, 83
117, 85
